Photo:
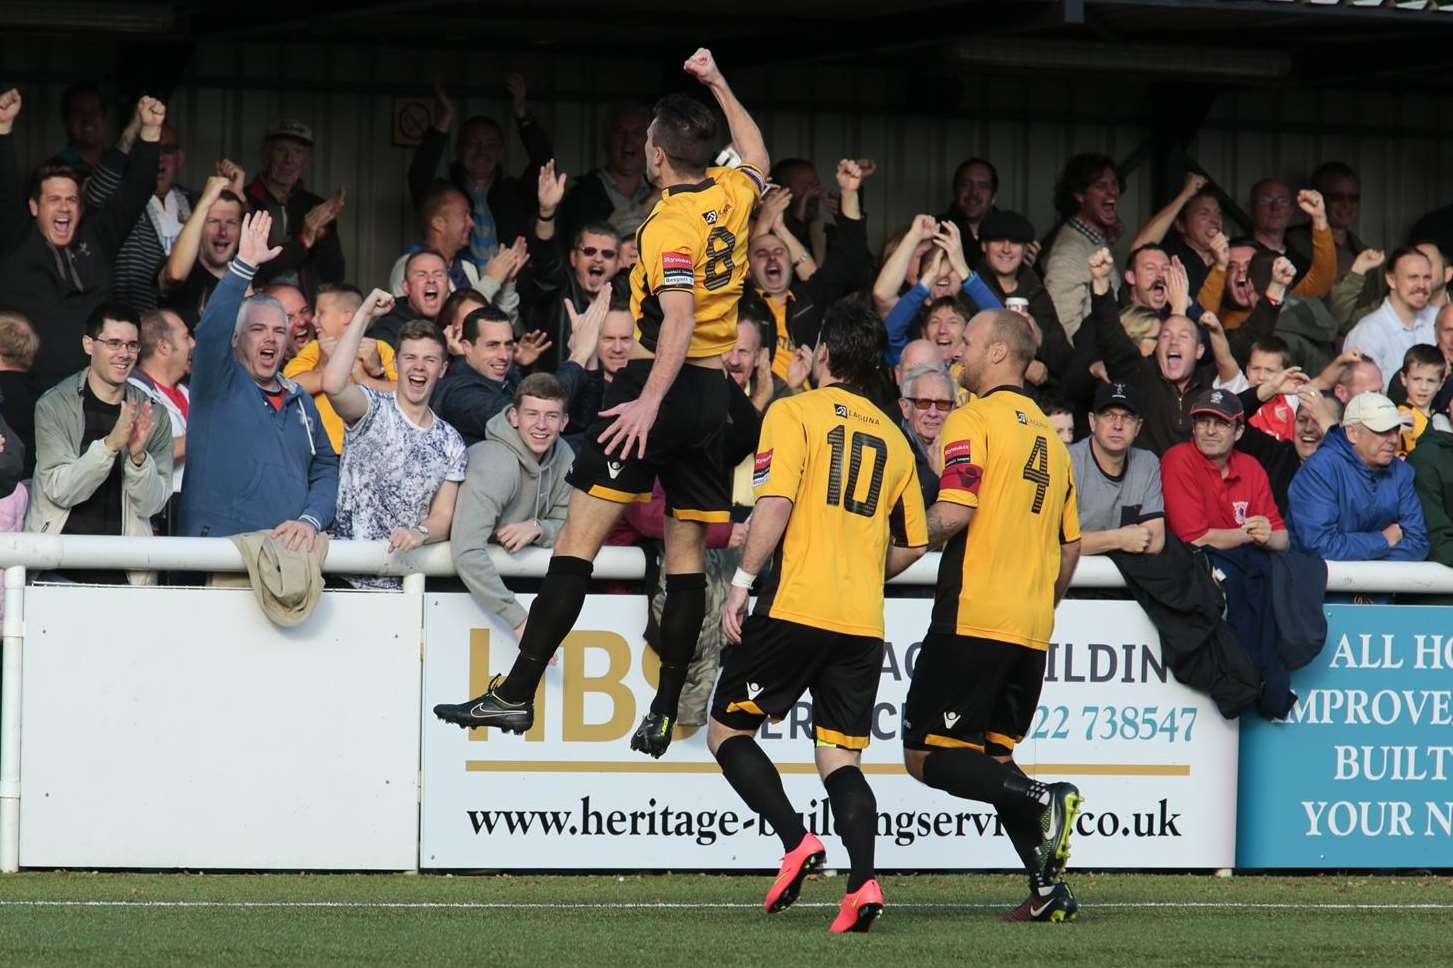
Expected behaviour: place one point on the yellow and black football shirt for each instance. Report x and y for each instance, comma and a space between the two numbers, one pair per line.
996, 579
695, 240
850, 474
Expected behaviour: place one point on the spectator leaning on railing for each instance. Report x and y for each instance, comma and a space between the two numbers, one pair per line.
515, 493
1353, 500
258, 456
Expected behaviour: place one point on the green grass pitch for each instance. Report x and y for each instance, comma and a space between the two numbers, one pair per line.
705, 921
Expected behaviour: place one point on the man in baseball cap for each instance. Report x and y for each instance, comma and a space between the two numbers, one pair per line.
1120, 395
1006, 240
1215, 495
290, 128
304, 224
1117, 486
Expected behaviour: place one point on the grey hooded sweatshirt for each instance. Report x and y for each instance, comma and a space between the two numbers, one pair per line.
506, 484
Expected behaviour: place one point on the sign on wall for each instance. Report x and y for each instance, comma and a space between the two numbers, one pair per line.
1154, 759
179, 728
1358, 774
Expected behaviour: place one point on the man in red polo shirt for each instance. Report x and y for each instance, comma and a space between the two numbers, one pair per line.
1215, 495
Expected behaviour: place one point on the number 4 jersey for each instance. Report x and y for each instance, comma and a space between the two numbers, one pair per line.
996, 579
695, 240
850, 475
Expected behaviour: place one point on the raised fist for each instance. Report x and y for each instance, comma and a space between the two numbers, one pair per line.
702, 66
1102, 265
923, 227
9, 109
150, 112
1221, 249
234, 174
1367, 260
1283, 272
378, 303
1312, 203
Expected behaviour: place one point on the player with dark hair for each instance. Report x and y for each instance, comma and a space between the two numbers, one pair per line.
835, 481
1006, 508
664, 412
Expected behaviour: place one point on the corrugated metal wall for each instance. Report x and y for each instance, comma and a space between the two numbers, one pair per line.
1026, 126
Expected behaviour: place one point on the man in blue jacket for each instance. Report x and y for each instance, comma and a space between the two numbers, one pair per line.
1353, 500
258, 458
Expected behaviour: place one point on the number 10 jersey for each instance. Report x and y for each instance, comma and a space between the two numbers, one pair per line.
695, 240
851, 477
1002, 457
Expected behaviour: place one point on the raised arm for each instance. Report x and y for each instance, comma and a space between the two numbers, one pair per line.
1154, 230
1323, 272
746, 136
424, 165
895, 267
219, 320
549, 193
350, 402
14, 216
183, 258
538, 148
118, 214
1121, 356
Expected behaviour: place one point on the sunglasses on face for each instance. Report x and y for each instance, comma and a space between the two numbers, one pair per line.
589, 252
924, 403
1344, 197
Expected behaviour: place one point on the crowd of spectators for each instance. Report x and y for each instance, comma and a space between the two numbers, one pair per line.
203, 362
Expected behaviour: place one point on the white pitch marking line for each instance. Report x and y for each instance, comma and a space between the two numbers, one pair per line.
689, 905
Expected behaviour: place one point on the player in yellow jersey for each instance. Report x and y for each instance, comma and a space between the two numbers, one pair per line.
1006, 510
664, 413
835, 481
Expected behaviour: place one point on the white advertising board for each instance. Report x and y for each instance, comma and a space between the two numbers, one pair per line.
1155, 760
179, 728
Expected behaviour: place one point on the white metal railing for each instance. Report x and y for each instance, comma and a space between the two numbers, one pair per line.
20, 553
54, 551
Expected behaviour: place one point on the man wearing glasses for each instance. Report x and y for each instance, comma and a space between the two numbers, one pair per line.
928, 396
103, 450
1117, 485
590, 263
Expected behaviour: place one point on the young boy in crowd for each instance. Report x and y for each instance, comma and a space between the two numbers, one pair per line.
1062, 419
1421, 376
1269, 356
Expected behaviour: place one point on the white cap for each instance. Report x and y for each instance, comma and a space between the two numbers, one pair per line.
1373, 411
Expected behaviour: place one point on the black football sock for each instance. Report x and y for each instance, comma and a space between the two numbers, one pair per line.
681, 615
758, 783
855, 810
552, 615
971, 775
1021, 826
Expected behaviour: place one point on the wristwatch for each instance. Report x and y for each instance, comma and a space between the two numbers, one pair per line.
422, 530
801, 259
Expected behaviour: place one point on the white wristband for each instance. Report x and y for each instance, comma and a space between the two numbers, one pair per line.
743, 579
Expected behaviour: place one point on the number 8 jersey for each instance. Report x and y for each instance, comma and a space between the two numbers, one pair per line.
1002, 457
852, 480
695, 240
